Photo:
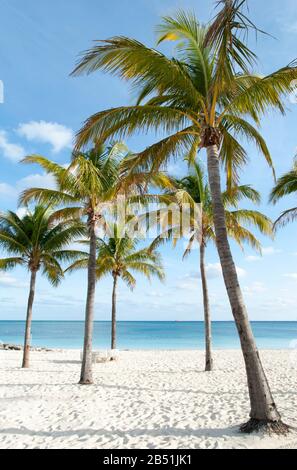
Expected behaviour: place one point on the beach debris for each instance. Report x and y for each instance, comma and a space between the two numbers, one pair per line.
17, 347
11, 347
103, 356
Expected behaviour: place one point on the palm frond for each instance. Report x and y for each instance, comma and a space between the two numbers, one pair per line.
250, 217
7, 264
286, 217
242, 128
129, 279
123, 121
191, 37
46, 196
78, 264
264, 93
285, 186
234, 195
131, 60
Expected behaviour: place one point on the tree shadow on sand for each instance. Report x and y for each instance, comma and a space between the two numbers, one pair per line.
129, 433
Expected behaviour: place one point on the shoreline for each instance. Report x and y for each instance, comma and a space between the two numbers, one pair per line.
149, 335
145, 399
44, 349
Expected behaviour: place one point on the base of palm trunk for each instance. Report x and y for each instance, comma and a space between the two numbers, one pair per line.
85, 382
209, 366
25, 363
269, 427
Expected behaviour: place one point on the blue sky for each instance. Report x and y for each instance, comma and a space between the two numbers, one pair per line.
42, 109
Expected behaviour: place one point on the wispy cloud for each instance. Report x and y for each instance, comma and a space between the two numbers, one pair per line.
270, 250
57, 135
252, 258
255, 288
8, 281
7, 190
291, 276
266, 251
36, 180
213, 271
13, 152
292, 28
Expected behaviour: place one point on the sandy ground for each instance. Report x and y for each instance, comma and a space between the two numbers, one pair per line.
147, 399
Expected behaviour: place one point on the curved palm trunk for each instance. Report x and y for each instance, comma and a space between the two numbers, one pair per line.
263, 409
86, 377
207, 320
27, 341
114, 312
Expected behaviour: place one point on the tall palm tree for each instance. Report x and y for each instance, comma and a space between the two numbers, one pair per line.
194, 189
81, 191
204, 97
285, 186
37, 242
85, 189
119, 257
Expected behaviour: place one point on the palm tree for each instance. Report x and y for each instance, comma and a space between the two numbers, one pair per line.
204, 97
119, 257
85, 190
37, 242
82, 190
194, 189
285, 186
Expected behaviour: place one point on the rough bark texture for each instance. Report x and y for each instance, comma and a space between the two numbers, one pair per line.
263, 409
27, 341
207, 320
86, 377
114, 313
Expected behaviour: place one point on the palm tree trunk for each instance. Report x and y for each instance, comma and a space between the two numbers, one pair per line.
114, 312
86, 377
264, 413
27, 341
207, 321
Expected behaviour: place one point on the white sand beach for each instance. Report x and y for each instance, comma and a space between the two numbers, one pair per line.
147, 399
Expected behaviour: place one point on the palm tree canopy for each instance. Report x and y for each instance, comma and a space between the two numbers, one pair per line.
36, 242
86, 182
285, 185
119, 256
193, 189
92, 180
237, 220
203, 95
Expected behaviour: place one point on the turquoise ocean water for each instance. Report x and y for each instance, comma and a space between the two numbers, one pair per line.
149, 335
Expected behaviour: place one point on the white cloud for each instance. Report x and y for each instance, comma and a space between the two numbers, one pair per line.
49, 299
11, 151
7, 189
266, 251
8, 281
240, 272
155, 294
270, 250
291, 275
292, 28
57, 135
254, 288
213, 271
21, 212
176, 168
36, 181
251, 259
